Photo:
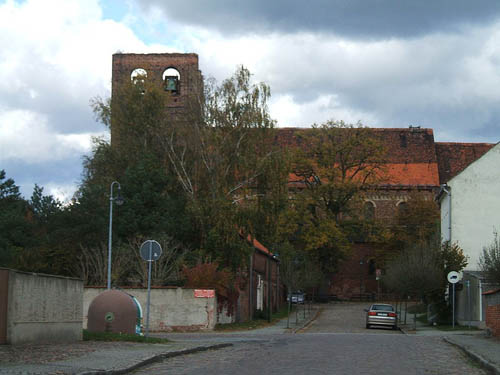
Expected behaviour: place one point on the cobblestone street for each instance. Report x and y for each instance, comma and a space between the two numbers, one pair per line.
345, 318
336, 343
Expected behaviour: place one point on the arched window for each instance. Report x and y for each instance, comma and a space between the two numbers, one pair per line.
171, 80
402, 208
369, 210
138, 75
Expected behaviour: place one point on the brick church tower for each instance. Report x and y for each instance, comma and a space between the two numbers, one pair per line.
176, 73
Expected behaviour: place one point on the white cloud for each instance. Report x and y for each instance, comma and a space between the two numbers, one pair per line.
54, 56
27, 135
444, 80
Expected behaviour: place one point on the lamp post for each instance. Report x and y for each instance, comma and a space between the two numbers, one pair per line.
119, 201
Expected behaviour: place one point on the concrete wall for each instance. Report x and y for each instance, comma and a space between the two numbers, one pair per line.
468, 305
172, 309
475, 204
43, 308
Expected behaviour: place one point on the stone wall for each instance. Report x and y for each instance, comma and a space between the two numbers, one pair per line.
171, 309
43, 308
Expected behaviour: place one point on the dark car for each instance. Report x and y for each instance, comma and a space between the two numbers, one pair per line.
381, 314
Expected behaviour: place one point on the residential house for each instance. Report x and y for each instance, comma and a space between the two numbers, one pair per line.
470, 206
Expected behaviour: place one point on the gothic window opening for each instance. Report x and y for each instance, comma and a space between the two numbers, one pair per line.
138, 75
138, 78
171, 80
369, 210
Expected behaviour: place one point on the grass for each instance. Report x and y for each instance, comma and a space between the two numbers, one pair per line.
446, 327
111, 336
255, 323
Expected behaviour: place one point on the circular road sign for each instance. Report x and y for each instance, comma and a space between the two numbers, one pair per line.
453, 277
150, 250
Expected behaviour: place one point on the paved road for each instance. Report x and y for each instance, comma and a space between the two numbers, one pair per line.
331, 345
345, 318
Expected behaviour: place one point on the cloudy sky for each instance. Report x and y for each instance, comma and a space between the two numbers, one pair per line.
386, 63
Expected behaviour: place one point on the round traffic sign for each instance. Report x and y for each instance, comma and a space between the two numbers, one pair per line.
150, 250
453, 277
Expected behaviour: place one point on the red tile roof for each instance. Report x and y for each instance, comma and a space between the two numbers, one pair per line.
453, 158
410, 153
257, 245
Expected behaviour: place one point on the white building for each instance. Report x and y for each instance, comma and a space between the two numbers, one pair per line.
470, 206
470, 214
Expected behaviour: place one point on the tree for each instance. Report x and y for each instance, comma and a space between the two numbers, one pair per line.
416, 221
14, 227
335, 164
420, 270
337, 161
222, 157
415, 272
195, 175
489, 261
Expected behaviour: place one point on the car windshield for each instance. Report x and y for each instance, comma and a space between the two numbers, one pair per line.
382, 308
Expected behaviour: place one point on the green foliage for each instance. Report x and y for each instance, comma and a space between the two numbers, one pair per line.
220, 158
417, 221
415, 272
489, 261
29, 230
14, 227
334, 165
110, 336
451, 257
336, 162
421, 269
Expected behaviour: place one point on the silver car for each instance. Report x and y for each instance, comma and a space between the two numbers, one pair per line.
381, 314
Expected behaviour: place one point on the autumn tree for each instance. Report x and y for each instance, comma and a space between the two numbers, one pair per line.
335, 163
197, 174
417, 221
223, 156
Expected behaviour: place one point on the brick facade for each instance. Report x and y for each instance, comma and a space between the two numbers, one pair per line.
155, 65
493, 311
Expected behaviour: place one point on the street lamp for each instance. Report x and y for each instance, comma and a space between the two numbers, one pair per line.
119, 202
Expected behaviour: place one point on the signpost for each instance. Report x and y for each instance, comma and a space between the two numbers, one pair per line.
150, 251
453, 278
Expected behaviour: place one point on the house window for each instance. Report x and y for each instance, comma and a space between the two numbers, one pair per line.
171, 80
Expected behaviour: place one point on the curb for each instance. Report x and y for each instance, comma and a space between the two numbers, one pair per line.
476, 357
308, 322
156, 358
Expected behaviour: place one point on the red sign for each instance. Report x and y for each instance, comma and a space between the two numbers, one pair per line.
204, 293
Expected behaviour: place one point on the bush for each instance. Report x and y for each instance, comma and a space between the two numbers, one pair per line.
489, 261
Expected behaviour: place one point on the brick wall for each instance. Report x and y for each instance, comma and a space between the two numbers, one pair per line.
155, 64
493, 312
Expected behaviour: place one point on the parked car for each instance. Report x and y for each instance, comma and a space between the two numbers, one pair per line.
297, 297
381, 314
